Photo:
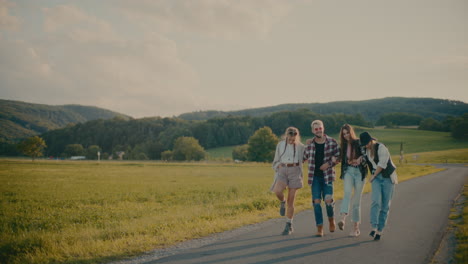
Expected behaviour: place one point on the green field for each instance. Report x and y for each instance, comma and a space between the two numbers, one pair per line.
414, 141
86, 212
89, 212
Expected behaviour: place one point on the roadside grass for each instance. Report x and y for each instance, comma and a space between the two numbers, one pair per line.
89, 212
449, 156
461, 252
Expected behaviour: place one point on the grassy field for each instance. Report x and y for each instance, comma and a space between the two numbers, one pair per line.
89, 212
414, 141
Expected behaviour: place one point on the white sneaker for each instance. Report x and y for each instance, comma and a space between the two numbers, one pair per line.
355, 233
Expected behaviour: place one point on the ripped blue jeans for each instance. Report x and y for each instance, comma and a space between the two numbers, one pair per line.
322, 191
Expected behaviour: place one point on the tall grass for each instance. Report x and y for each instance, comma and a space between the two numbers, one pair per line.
88, 212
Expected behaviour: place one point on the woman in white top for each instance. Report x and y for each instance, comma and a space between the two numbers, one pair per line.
288, 173
383, 179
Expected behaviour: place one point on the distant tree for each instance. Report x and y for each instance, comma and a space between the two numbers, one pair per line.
153, 150
9, 149
138, 153
92, 152
166, 155
168, 136
74, 150
241, 153
399, 119
104, 156
262, 145
460, 127
448, 123
33, 147
121, 152
138, 156
430, 124
188, 148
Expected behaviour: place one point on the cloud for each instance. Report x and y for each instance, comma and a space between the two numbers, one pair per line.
82, 59
77, 25
26, 74
220, 19
7, 21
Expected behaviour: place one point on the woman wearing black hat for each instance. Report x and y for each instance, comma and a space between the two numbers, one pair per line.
383, 179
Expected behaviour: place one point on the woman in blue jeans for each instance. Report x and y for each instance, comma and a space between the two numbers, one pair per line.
353, 172
383, 180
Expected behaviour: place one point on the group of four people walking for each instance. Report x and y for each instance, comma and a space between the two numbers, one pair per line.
322, 153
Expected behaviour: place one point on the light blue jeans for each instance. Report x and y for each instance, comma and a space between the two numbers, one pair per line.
352, 180
382, 193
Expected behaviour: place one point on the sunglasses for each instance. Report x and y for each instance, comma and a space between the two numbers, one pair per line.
318, 129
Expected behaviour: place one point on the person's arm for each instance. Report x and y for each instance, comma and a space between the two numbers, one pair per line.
306, 154
377, 171
334, 157
276, 161
359, 156
384, 155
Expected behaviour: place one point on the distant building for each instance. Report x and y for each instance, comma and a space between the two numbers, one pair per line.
78, 157
120, 154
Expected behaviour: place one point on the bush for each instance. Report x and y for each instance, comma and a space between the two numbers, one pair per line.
262, 145
241, 153
188, 148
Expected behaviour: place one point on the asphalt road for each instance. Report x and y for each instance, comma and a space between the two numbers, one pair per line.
416, 224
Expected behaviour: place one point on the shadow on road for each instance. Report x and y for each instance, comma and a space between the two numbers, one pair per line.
271, 246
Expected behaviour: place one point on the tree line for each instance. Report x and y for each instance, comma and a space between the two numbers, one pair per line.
165, 138
148, 138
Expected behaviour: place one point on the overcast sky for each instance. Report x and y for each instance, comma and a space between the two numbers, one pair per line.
166, 57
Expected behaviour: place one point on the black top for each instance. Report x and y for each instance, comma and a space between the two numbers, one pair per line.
319, 156
357, 152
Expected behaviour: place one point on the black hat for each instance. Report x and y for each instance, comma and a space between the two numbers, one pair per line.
365, 138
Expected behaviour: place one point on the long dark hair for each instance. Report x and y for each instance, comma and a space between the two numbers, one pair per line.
344, 142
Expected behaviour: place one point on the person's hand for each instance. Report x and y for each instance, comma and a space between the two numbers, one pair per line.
309, 141
324, 167
371, 178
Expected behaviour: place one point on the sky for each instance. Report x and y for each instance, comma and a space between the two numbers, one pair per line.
147, 58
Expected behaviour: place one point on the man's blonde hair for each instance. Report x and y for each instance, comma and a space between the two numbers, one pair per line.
316, 122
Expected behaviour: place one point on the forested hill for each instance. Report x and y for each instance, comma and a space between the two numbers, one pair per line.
19, 119
371, 110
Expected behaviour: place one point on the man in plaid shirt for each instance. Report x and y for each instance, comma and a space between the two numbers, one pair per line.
322, 152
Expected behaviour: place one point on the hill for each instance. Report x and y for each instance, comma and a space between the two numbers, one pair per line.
370, 109
20, 119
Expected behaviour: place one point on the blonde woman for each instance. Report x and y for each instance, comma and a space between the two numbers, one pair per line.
288, 173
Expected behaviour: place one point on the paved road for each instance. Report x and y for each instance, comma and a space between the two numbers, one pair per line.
416, 224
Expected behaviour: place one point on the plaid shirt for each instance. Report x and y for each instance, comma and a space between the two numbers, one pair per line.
331, 149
